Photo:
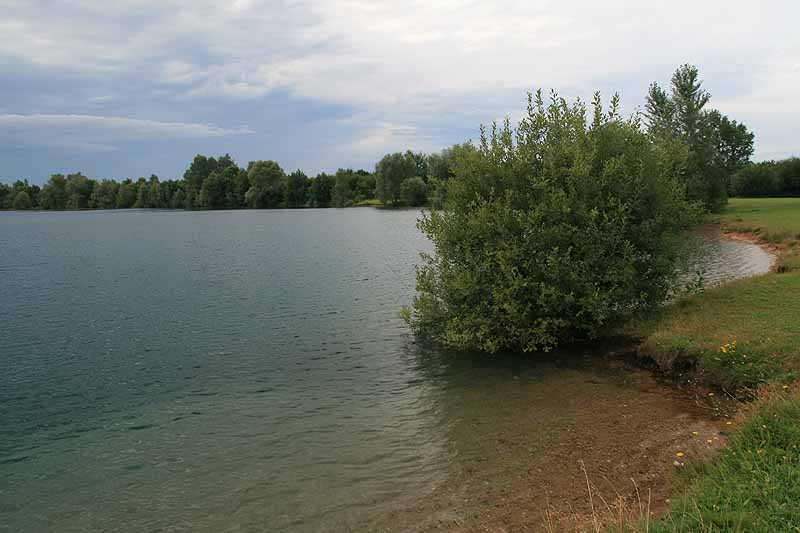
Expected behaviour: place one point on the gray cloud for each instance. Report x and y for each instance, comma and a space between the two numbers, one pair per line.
99, 133
410, 74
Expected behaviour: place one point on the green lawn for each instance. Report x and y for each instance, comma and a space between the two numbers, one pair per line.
737, 337
774, 220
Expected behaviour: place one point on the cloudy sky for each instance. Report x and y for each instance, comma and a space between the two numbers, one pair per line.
132, 87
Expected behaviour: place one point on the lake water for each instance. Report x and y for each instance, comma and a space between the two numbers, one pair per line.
248, 370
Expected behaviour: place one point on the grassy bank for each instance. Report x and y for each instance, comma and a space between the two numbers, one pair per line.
754, 484
745, 333
739, 337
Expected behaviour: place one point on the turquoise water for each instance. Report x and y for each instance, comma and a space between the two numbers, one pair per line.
245, 370
172, 369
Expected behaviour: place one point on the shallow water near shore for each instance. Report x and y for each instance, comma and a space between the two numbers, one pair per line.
248, 370
720, 259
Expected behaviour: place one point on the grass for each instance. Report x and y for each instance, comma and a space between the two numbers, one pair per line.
762, 315
774, 220
738, 337
369, 202
754, 484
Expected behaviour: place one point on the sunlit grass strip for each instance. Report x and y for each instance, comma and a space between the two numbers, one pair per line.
759, 316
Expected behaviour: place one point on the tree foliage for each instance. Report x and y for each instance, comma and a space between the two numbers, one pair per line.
768, 178
104, 195
297, 189
53, 193
321, 190
708, 152
716, 146
551, 232
414, 191
390, 173
267, 185
22, 200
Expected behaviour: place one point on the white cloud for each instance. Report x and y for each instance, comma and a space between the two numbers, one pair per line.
97, 133
409, 63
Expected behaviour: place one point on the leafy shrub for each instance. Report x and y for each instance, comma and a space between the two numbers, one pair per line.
550, 233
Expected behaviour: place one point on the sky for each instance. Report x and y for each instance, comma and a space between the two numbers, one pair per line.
127, 88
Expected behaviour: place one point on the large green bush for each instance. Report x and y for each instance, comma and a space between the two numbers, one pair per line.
551, 232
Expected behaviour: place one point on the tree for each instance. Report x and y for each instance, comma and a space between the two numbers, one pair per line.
199, 169
438, 167
420, 163
414, 191
154, 196
236, 185
6, 196
768, 179
320, 190
34, 191
179, 199
213, 192
344, 188
757, 180
127, 194
22, 201
437, 192
297, 189
789, 175
267, 184
554, 232
365, 185
78, 189
390, 173
141, 193
54, 194
733, 141
716, 146
104, 195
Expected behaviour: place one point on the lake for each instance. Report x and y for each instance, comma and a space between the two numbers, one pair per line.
249, 370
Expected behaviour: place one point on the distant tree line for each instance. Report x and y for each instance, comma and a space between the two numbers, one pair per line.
400, 179
768, 178
709, 153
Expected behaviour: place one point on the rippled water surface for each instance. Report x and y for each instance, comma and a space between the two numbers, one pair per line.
721, 259
243, 370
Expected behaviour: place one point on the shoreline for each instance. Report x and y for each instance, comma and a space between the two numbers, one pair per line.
737, 339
